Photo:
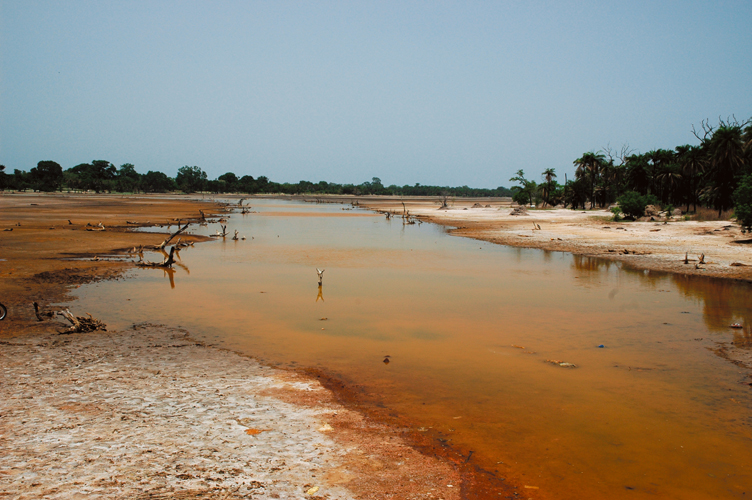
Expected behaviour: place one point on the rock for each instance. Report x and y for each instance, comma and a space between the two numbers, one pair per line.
477, 205
519, 210
651, 210
677, 212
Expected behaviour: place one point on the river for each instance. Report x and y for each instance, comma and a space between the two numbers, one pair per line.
471, 331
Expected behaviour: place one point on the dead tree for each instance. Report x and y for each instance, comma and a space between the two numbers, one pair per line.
702, 258
443, 199
321, 275
169, 238
235, 238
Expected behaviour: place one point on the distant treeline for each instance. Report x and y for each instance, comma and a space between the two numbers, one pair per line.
102, 176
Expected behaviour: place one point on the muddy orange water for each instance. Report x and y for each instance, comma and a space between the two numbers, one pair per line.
468, 328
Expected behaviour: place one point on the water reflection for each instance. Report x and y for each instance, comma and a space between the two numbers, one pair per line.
170, 272
724, 302
321, 294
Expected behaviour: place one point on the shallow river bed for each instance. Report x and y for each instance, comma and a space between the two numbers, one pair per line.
470, 330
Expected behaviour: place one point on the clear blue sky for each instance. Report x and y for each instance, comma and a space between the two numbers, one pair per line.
435, 92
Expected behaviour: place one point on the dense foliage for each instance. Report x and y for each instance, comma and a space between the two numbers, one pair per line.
743, 203
707, 174
101, 176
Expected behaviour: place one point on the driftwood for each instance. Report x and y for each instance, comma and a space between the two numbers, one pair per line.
168, 261
235, 238
702, 258
82, 324
169, 238
98, 227
223, 233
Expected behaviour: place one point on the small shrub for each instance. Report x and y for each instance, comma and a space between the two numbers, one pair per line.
616, 211
633, 203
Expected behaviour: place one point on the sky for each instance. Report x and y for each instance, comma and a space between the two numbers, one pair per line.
429, 92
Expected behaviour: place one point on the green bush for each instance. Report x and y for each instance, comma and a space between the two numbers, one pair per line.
616, 211
743, 203
633, 204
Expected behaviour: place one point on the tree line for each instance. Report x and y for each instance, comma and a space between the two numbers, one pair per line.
716, 173
102, 176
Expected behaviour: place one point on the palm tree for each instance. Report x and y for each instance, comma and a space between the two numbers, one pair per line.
726, 155
671, 178
590, 166
548, 175
692, 161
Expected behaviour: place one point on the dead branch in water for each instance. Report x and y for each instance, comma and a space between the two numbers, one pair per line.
82, 324
223, 233
168, 261
169, 238
320, 272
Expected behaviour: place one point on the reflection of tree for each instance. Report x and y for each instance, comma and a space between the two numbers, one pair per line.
591, 267
171, 273
724, 302
321, 294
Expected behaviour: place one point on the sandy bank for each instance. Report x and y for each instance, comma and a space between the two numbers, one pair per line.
151, 413
657, 245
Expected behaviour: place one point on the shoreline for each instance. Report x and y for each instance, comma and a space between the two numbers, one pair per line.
655, 246
151, 411
374, 425
370, 455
